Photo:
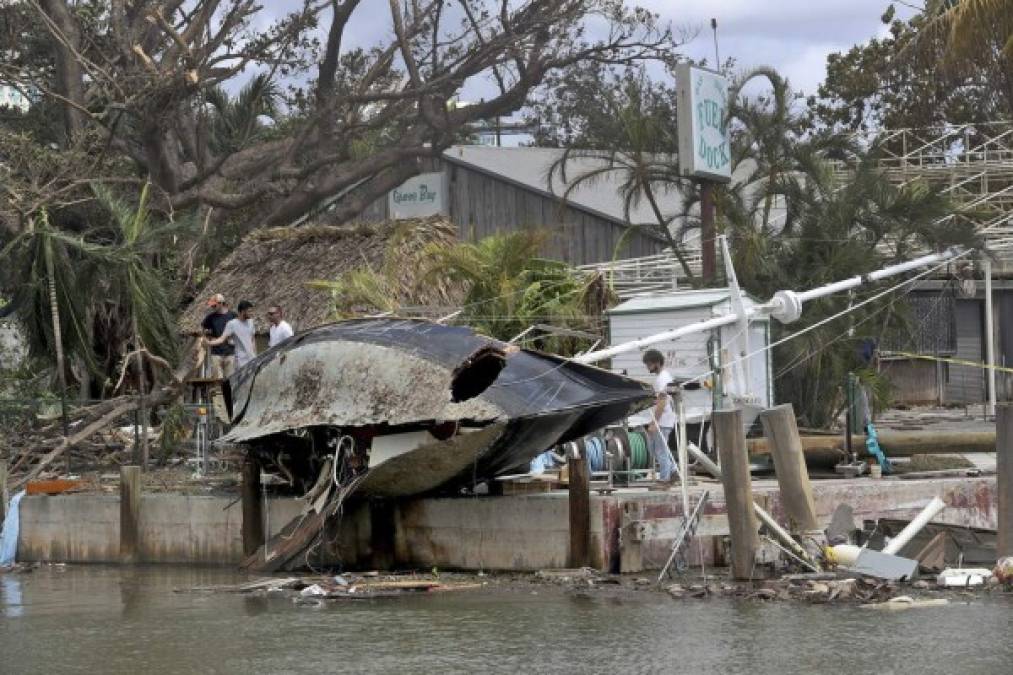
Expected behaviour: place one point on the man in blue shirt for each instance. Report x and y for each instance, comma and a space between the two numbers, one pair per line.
223, 356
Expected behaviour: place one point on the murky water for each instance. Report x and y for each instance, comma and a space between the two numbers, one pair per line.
111, 620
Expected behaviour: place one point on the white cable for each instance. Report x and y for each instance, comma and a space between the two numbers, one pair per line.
337, 456
834, 317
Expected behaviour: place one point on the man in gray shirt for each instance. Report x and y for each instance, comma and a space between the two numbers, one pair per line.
241, 331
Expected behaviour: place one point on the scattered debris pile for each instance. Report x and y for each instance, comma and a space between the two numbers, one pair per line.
367, 586
93, 434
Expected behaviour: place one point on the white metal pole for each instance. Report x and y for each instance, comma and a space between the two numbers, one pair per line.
785, 306
683, 458
915, 526
990, 338
634, 345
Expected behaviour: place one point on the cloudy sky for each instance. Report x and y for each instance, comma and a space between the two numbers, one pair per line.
794, 36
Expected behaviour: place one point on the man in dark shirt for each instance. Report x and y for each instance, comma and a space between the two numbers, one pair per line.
223, 356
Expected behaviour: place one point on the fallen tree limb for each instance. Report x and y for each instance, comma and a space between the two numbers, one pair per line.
69, 442
92, 419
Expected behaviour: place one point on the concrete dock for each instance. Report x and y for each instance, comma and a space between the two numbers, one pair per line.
525, 532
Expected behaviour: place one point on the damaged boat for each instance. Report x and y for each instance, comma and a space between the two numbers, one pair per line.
398, 407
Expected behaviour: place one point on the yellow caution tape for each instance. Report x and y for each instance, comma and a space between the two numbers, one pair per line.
959, 362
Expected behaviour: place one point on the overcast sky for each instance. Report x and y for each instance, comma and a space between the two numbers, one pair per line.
794, 36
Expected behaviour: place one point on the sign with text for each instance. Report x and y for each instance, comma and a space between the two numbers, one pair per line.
417, 197
701, 104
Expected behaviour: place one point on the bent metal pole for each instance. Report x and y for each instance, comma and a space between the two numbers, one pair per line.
785, 306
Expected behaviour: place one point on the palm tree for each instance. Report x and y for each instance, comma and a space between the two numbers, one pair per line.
235, 122
641, 157
511, 289
67, 286
45, 270
968, 34
836, 225
968, 25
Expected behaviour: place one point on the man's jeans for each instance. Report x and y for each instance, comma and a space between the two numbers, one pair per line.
659, 448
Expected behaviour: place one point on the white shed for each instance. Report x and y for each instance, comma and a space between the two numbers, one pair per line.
687, 357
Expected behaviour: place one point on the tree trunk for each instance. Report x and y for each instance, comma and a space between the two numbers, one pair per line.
69, 79
140, 453
54, 309
667, 233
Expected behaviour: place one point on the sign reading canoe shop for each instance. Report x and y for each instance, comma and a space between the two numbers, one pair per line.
701, 104
417, 197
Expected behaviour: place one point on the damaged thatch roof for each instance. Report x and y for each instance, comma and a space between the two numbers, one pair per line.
278, 267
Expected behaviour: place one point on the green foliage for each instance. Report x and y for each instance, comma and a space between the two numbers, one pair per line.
236, 121
175, 429
510, 289
506, 288
634, 151
942, 65
361, 289
836, 221
576, 108
106, 281
140, 292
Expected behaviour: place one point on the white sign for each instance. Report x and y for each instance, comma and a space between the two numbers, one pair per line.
417, 197
701, 104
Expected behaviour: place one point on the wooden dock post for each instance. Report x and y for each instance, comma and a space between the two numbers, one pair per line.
781, 430
738, 489
3, 489
1004, 477
253, 507
130, 511
580, 510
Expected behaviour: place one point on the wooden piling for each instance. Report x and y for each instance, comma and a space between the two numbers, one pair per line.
253, 507
3, 489
580, 510
738, 489
1004, 477
781, 430
130, 511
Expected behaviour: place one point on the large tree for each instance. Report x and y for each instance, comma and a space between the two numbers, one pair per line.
134, 87
950, 63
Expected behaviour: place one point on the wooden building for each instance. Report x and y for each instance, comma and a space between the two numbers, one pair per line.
485, 190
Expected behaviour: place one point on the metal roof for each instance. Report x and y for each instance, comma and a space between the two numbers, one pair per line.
529, 168
676, 300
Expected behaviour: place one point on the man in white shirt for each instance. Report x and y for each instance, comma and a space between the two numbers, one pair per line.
280, 330
663, 415
242, 332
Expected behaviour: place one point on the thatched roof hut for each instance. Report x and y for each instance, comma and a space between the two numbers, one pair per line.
279, 266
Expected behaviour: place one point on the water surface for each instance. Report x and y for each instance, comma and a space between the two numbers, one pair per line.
129, 620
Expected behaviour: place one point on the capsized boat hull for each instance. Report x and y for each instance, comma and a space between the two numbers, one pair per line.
434, 407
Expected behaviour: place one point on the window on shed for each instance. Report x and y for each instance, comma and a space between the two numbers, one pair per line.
927, 325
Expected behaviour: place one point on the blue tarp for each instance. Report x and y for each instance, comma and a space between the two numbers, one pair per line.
9, 535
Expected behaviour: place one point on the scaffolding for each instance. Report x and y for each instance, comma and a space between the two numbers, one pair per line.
971, 164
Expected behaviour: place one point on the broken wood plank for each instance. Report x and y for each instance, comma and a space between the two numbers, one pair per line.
932, 557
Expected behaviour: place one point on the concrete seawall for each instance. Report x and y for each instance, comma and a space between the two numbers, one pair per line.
173, 528
524, 532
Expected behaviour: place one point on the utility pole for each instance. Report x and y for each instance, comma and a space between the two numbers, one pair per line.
708, 251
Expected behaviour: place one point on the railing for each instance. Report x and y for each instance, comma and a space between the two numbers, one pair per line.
973, 162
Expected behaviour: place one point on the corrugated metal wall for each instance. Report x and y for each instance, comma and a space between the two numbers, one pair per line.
912, 381
966, 384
